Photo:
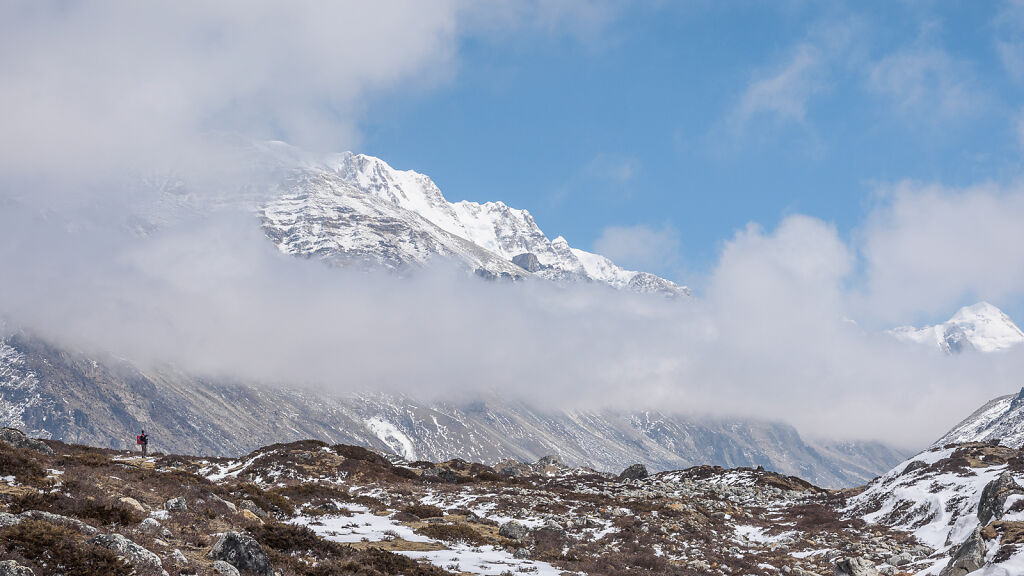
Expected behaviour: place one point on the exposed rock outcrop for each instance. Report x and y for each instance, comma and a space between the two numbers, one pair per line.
243, 552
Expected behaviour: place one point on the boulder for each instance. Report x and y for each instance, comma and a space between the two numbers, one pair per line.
634, 472
12, 568
440, 475
968, 557
143, 561
176, 504
855, 567
178, 558
18, 439
513, 531
254, 508
133, 504
994, 495
222, 568
248, 515
67, 522
243, 552
153, 527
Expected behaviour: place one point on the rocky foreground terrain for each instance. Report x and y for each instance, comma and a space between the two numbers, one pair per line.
308, 508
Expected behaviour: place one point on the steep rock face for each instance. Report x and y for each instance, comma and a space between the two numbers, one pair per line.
356, 209
981, 327
54, 393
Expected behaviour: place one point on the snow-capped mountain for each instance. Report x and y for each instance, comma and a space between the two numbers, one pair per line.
981, 327
352, 208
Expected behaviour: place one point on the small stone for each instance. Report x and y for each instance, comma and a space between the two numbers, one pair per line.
12, 568
176, 504
224, 569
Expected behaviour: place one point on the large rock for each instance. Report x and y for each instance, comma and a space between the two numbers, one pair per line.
634, 472
969, 556
513, 531
440, 475
12, 568
133, 504
855, 567
243, 552
65, 521
18, 439
994, 495
143, 561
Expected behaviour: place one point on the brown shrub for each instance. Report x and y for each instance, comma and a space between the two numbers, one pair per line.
57, 550
424, 511
270, 501
21, 465
360, 453
292, 538
455, 533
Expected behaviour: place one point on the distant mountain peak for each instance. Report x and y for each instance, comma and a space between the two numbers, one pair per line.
352, 208
981, 326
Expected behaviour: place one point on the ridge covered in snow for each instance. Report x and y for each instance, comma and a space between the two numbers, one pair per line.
352, 208
981, 327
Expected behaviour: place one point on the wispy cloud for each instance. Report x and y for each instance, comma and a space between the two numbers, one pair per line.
783, 92
924, 81
640, 247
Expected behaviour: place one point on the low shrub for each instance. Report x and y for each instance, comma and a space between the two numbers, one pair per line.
424, 511
454, 533
58, 551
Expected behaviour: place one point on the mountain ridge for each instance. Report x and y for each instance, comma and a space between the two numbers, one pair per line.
350, 208
53, 392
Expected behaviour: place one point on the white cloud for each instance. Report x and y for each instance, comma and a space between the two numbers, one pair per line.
783, 93
109, 82
927, 248
640, 247
927, 82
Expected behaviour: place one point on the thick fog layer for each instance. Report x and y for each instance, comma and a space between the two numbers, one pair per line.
128, 227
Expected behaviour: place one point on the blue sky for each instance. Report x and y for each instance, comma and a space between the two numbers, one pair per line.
693, 119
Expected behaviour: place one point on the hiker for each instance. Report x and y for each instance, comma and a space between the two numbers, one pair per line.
142, 440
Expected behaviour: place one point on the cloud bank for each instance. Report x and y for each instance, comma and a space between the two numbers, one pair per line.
127, 227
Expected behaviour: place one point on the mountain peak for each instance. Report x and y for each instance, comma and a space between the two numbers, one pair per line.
981, 326
356, 208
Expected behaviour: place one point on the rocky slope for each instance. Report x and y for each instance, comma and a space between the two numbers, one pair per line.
964, 501
353, 209
1001, 419
55, 393
309, 508
981, 327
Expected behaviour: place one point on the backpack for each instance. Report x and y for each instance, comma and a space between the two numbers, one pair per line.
138, 439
